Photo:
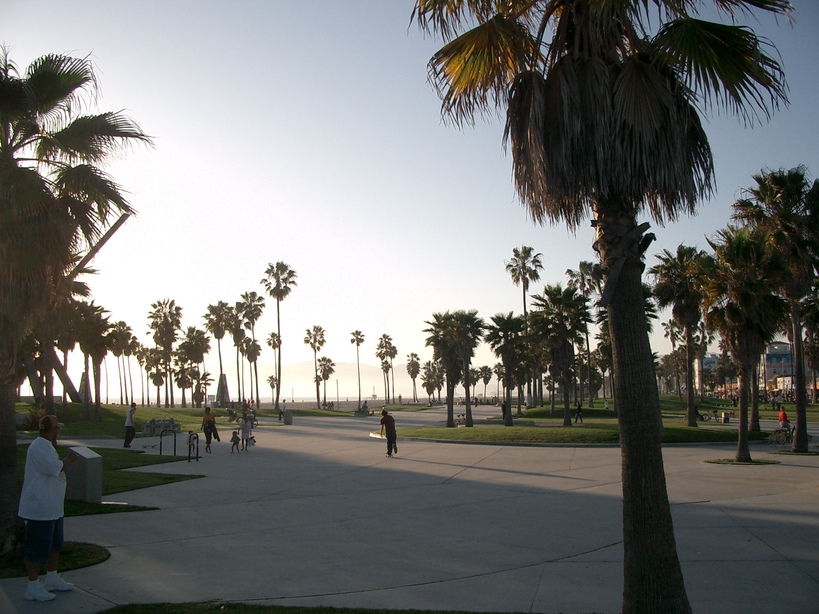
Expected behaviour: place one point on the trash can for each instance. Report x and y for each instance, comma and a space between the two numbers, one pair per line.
725, 418
84, 476
288, 416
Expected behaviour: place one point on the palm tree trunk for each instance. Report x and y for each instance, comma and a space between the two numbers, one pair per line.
567, 412
279, 355
652, 576
450, 402
690, 413
507, 393
97, 365
358, 368
468, 391
315, 372
800, 435
754, 427
743, 451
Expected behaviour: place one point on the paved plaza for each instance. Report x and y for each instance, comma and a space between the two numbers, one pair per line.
316, 514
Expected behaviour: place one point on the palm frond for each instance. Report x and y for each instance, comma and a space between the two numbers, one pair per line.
91, 138
726, 65
473, 72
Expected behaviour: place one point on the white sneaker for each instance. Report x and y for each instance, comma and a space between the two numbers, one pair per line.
36, 592
54, 582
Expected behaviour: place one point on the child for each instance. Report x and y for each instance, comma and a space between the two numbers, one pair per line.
235, 441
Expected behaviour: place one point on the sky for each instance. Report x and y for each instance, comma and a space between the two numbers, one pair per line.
307, 132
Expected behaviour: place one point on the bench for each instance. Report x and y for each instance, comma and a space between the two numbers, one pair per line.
154, 427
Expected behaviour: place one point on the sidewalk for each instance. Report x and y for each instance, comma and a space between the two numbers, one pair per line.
316, 514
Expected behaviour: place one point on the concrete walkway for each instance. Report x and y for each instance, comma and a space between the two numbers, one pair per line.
316, 514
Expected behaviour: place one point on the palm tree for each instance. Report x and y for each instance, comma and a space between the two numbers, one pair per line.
585, 279
432, 379
785, 204
602, 120
273, 383
55, 197
741, 304
278, 281
315, 339
506, 336
252, 351
413, 369
215, 324
678, 284
121, 336
525, 267
386, 351
326, 368
468, 331
165, 320
560, 316
445, 350
250, 311
95, 341
233, 325
357, 338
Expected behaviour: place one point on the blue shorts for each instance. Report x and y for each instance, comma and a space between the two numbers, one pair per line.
43, 537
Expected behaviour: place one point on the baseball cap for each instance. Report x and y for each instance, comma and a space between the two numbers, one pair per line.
49, 422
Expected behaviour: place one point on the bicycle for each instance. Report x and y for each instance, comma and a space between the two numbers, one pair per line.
781, 436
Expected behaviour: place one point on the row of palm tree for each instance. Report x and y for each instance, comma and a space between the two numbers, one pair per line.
755, 286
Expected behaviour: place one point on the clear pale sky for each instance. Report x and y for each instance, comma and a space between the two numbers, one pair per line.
307, 132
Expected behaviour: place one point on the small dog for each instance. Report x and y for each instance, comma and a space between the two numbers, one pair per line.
251, 441
235, 441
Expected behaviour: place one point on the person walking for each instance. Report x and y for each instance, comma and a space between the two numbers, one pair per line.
578, 412
388, 425
209, 428
245, 427
130, 429
42, 507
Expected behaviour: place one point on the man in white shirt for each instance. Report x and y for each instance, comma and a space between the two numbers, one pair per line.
42, 507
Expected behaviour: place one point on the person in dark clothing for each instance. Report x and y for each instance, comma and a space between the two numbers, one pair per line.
388, 425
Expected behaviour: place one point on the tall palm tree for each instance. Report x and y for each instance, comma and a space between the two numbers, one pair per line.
279, 279
602, 102
741, 304
273, 383
785, 204
386, 351
233, 325
250, 311
120, 337
445, 350
253, 350
165, 320
525, 267
357, 338
586, 280
468, 331
326, 368
95, 341
560, 317
215, 324
678, 283
506, 338
413, 369
315, 338
56, 197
